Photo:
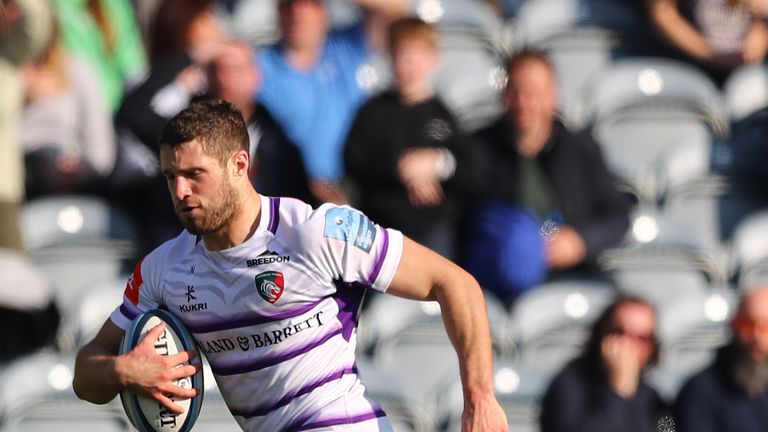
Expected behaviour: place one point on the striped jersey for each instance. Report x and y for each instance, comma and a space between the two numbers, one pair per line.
276, 316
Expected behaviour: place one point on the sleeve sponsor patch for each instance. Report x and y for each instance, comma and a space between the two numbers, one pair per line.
134, 284
350, 226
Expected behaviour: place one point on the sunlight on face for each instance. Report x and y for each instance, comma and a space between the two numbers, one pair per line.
202, 192
531, 95
750, 325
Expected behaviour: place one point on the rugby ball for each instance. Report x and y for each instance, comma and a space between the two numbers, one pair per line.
146, 414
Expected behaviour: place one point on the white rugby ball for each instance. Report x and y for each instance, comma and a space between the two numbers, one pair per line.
147, 414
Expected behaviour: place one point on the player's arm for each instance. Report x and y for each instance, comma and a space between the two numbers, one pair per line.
100, 373
425, 275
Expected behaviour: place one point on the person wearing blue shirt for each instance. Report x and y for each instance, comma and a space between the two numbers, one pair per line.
311, 85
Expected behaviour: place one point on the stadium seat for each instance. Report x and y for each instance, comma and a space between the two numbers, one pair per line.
746, 91
662, 255
408, 338
638, 108
468, 18
68, 222
90, 308
253, 21
750, 249
469, 80
714, 210
549, 324
519, 389
690, 329
36, 396
77, 241
399, 397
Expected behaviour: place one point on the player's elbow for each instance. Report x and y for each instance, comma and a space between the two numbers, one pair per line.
456, 279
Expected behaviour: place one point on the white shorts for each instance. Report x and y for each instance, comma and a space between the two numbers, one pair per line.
380, 424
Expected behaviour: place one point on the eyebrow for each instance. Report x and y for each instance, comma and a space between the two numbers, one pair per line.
168, 171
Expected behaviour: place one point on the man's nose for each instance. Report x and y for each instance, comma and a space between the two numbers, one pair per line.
182, 188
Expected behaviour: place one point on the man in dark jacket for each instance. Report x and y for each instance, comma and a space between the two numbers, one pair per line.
531, 161
732, 393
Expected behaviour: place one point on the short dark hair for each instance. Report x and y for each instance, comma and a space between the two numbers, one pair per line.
529, 55
215, 123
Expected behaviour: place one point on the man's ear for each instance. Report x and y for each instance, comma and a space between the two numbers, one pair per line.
241, 162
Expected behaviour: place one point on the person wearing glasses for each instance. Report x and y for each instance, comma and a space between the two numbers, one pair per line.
604, 388
732, 393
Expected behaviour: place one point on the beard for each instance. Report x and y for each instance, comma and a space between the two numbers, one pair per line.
214, 217
749, 374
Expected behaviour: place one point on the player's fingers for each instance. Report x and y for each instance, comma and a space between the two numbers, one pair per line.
153, 335
182, 357
168, 403
184, 371
172, 390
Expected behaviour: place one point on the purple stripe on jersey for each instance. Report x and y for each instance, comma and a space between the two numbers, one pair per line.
300, 424
251, 366
349, 297
274, 215
260, 411
128, 312
256, 319
382, 256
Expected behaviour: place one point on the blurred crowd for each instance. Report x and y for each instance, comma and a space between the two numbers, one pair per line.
341, 106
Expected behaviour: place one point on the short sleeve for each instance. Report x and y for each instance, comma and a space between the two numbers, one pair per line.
140, 295
348, 247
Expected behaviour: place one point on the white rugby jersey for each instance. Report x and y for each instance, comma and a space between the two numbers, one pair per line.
276, 316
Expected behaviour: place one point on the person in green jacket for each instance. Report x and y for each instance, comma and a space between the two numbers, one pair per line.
105, 33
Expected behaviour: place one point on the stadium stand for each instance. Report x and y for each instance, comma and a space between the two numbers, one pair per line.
549, 324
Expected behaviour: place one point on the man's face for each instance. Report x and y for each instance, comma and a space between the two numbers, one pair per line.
304, 23
413, 63
531, 96
233, 75
750, 326
201, 190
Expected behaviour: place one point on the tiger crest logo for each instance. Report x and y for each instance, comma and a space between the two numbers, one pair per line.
270, 285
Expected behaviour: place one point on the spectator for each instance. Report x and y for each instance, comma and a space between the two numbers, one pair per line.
311, 87
405, 150
730, 395
548, 203
105, 33
24, 29
177, 75
66, 128
604, 389
229, 73
28, 308
718, 35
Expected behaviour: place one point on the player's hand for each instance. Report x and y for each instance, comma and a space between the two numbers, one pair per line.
484, 416
147, 373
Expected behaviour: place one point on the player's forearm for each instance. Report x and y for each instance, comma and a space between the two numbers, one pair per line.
466, 321
96, 379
